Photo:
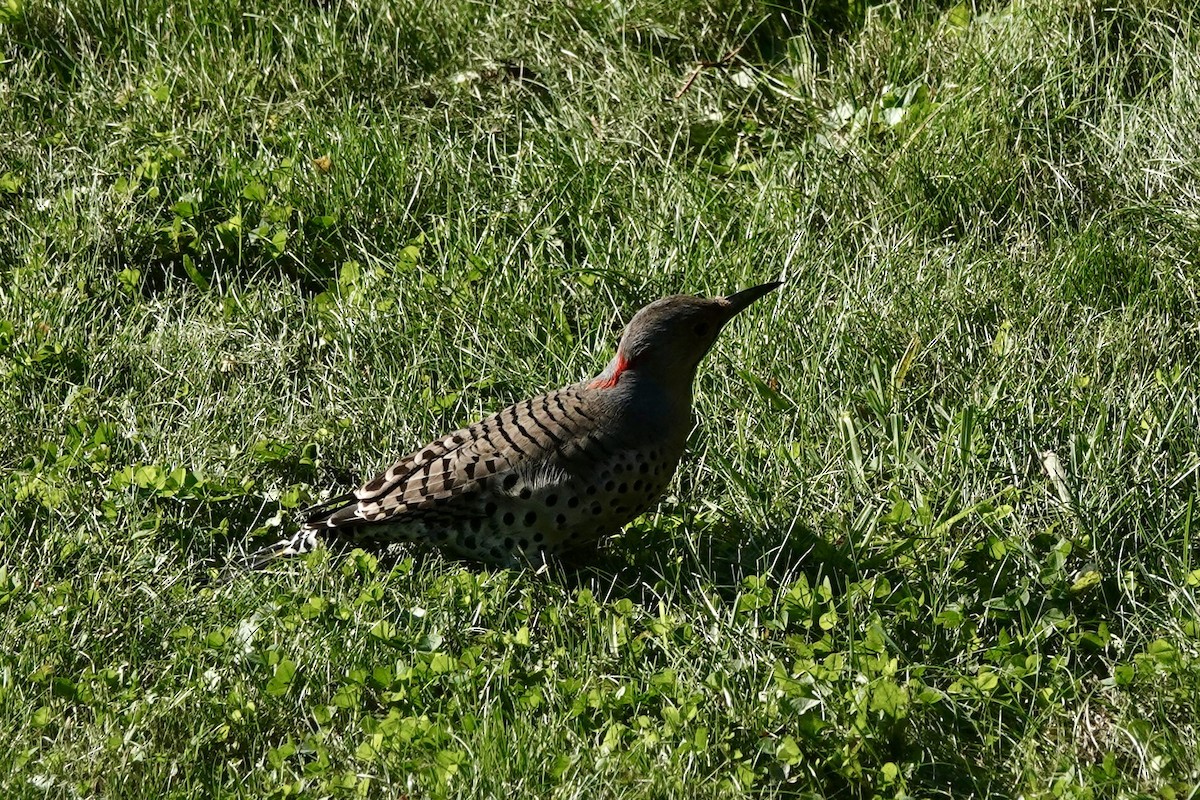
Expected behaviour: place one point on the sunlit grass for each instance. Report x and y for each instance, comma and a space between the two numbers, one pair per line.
935, 532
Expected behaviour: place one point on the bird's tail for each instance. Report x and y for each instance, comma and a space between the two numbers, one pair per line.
303, 541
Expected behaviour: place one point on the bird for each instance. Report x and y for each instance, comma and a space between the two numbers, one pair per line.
549, 477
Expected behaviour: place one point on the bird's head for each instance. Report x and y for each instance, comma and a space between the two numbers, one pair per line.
666, 340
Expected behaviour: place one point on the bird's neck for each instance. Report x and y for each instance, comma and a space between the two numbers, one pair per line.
620, 367
650, 390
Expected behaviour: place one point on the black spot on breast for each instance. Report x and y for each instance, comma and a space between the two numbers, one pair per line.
561, 519
572, 502
508, 543
530, 518
526, 493
551, 499
538, 538
510, 480
638, 486
623, 488
597, 509
591, 490
644, 468
610, 485
509, 518
497, 553
469, 542
523, 544
476, 524
490, 508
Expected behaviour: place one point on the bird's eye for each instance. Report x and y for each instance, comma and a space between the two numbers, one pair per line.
701, 328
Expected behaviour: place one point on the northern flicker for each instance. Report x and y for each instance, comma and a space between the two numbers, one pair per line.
554, 474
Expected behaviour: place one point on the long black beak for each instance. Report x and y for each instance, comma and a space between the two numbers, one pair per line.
738, 301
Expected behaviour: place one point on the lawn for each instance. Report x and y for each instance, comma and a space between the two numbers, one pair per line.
936, 530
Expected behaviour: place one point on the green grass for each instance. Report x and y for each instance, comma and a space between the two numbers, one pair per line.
864, 581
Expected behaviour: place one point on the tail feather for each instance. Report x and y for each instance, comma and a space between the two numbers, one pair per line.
316, 523
303, 541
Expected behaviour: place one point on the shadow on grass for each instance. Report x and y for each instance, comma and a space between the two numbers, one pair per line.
650, 564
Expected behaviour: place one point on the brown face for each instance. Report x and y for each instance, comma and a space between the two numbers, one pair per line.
677, 331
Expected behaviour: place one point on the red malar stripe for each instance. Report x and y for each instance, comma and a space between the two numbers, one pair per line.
611, 381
